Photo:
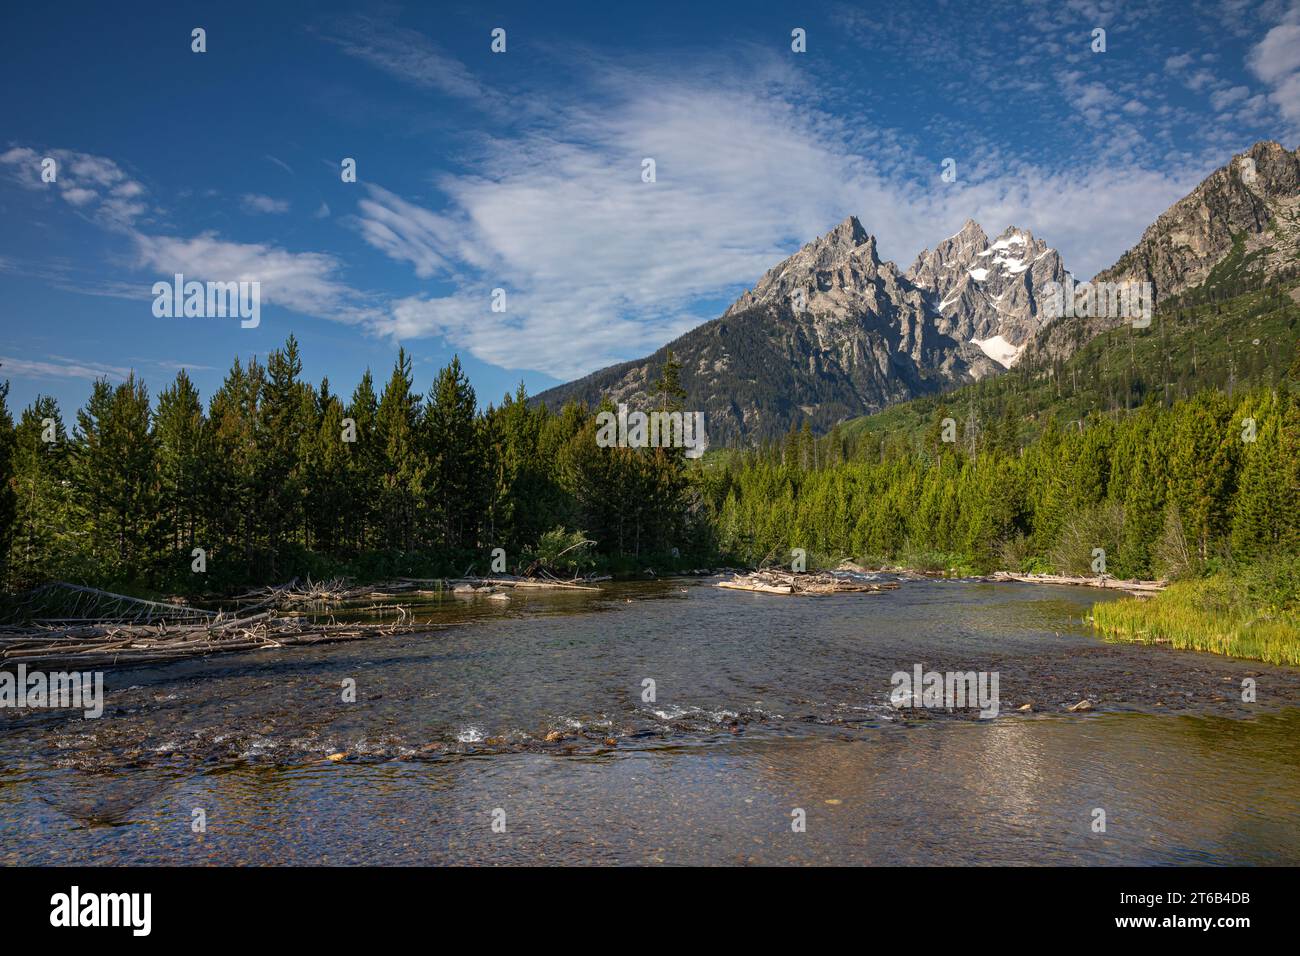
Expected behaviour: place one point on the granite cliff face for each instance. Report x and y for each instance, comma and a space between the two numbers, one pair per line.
1255, 197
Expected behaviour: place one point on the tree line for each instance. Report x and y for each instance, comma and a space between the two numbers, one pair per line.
276, 477
1162, 490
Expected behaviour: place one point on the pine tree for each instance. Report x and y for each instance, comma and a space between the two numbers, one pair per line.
1201, 466
364, 469
451, 446
8, 490
1264, 510
45, 543
404, 469
179, 429
283, 417
115, 478
324, 465
230, 454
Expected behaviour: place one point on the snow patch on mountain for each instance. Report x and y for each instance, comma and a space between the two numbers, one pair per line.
1000, 350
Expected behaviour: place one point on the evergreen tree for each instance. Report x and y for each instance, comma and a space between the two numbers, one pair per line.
230, 455
8, 492
456, 482
405, 468
1265, 506
115, 482
45, 544
364, 468
283, 417
179, 429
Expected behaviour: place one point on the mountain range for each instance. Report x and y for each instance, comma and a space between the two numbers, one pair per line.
833, 332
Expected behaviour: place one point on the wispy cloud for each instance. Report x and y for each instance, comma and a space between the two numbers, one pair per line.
306, 282
255, 204
281, 163
406, 55
56, 366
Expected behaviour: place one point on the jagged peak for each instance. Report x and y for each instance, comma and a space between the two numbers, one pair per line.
970, 230
1266, 146
850, 230
1015, 235
847, 238
849, 233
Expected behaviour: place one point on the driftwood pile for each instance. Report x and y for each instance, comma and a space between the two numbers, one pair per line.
786, 582
67, 624
327, 593
108, 645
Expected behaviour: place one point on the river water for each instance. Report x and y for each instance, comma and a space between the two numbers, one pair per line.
533, 714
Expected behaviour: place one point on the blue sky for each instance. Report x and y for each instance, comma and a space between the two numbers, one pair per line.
522, 170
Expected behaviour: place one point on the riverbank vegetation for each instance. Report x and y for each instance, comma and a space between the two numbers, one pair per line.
1249, 612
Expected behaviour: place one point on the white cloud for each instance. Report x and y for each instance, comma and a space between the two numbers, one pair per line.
404, 231
92, 184
305, 282
1222, 99
406, 54
1199, 80
1278, 54
1276, 61
254, 204
281, 163
59, 366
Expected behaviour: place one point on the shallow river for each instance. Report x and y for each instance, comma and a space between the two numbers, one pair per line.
532, 714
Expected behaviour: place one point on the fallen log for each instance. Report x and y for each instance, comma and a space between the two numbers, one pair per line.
743, 585
1101, 581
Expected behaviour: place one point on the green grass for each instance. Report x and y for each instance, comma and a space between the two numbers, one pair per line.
1253, 613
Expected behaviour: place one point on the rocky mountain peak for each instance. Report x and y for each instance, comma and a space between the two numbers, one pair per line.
1253, 199
989, 293
849, 232
825, 274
